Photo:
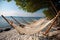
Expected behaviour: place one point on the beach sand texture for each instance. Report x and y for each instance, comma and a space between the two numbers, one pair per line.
14, 35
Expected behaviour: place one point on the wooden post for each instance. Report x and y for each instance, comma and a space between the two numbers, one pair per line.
15, 20
10, 24
18, 22
55, 18
6, 20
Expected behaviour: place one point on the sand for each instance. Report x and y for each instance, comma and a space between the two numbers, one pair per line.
14, 35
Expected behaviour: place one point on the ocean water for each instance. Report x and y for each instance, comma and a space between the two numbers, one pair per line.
4, 24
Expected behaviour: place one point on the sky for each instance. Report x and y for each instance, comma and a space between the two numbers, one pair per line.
11, 9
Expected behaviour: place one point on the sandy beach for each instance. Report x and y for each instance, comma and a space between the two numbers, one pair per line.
14, 35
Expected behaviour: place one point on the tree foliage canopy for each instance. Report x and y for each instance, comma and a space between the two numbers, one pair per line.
34, 5
31, 5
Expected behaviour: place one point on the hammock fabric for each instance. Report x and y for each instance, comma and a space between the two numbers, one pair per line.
32, 29
29, 30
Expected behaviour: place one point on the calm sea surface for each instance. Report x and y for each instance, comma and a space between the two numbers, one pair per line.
4, 24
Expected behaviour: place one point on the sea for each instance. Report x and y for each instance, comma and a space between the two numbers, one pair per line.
23, 20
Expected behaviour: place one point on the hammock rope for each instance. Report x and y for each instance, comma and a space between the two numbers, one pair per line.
18, 22
55, 18
28, 30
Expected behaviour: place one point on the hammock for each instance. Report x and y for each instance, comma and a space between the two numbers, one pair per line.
37, 23
32, 24
35, 28
29, 30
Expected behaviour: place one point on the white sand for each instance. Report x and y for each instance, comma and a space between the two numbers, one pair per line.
14, 35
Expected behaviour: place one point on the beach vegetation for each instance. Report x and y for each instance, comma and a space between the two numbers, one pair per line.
35, 5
